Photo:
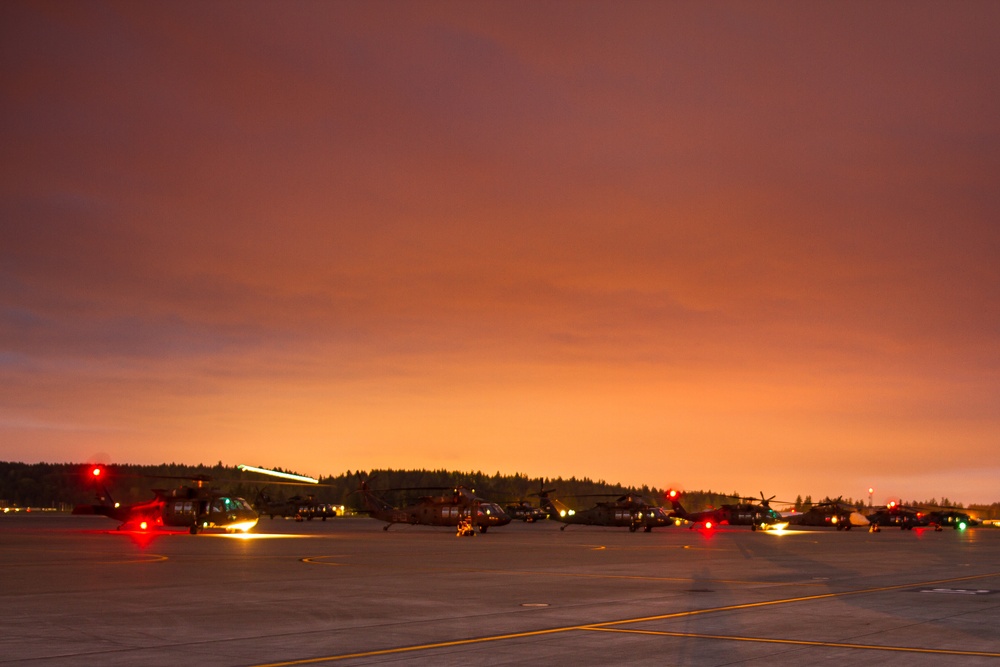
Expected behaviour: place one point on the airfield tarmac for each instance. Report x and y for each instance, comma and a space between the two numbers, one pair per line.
76, 592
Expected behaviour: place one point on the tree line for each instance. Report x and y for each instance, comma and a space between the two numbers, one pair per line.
64, 485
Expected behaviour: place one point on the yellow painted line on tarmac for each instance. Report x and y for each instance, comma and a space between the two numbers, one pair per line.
139, 558
420, 647
99, 559
805, 598
606, 626
796, 642
145, 558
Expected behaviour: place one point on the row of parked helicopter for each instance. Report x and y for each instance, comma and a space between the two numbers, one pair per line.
199, 507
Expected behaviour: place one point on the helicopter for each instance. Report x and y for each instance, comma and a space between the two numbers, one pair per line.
941, 518
457, 506
753, 514
301, 508
193, 507
626, 511
525, 511
829, 513
893, 514
908, 518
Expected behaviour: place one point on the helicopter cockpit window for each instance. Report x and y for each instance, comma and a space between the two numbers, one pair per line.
490, 509
225, 504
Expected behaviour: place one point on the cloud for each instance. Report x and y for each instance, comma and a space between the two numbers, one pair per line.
670, 230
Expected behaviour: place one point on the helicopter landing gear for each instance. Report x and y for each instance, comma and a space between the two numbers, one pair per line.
193, 529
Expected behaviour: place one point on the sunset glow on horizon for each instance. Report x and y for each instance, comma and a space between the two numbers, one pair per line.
742, 246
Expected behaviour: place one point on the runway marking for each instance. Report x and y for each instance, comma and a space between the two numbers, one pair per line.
691, 547
95, 558
144, 558
584, 575
656, 547
318, 560
606, 626
805, 598
797, 642
420, 647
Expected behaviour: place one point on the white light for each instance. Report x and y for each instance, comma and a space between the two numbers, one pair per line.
258, 536
242, 526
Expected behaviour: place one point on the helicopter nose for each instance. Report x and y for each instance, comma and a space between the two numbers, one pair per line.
858, 519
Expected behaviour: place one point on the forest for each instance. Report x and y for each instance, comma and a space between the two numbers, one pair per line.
61, 486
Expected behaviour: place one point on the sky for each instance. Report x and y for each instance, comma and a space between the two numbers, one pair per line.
747, 246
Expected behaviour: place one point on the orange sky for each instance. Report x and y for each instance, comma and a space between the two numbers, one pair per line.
749, 247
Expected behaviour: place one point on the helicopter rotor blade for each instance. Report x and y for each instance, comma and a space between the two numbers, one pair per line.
278, 473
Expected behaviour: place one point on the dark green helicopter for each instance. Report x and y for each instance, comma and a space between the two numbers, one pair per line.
907, 518
194, 508
830, 514
628, 510
525, 511
746, 513
942, 518
299, 507
456, 507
